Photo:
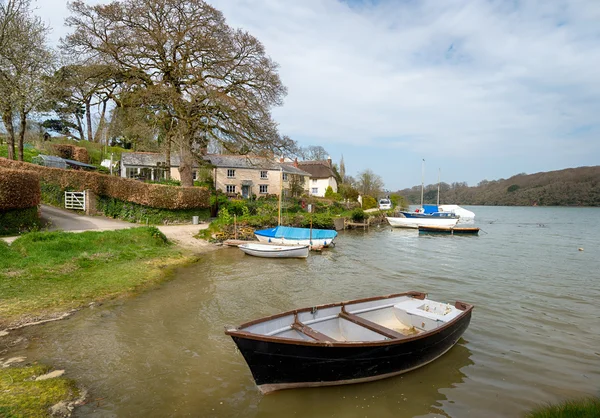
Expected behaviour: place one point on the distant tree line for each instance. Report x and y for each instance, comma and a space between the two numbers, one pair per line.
570, 187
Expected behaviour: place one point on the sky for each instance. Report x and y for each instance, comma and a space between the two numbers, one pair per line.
480, 90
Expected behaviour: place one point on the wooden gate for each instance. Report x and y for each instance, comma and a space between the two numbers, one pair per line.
75, 200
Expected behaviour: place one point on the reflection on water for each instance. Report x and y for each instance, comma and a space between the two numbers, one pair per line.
533, 336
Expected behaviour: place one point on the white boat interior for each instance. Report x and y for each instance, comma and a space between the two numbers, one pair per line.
375, 320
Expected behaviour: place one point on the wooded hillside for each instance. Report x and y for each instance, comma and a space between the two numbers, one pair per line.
570, 187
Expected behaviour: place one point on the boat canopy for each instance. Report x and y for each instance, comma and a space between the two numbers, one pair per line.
430, 209
289, 232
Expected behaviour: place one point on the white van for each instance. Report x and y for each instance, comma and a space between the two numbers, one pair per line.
385, 204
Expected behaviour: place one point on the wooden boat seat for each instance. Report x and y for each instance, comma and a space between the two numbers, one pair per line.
312, 333
386, 332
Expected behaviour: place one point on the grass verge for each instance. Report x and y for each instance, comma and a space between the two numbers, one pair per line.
582, 408
22, 396
43, 273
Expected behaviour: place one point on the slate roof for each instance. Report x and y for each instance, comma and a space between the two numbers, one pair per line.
149, 159
317, 169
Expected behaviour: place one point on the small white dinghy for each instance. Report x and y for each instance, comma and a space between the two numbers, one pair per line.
275, 251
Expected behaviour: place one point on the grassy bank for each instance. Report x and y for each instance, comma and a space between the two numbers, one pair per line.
22, 396
583, 408
43, 273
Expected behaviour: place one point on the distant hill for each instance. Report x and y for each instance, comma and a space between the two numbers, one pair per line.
570, 187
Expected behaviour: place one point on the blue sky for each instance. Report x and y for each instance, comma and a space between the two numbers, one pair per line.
479, 89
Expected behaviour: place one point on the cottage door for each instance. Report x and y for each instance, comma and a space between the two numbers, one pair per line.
245, 191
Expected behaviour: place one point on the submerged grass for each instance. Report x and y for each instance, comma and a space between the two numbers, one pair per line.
46, 272
22, 396
582, 408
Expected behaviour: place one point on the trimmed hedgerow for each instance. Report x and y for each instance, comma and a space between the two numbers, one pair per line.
19, 220
150, 195
71, 152
18, 189
137, 213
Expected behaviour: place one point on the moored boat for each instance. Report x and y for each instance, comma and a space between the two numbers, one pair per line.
449, 230
275, 251
349, 342
428, 216
298, 236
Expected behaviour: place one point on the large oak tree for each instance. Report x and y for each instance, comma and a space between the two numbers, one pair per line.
185, 64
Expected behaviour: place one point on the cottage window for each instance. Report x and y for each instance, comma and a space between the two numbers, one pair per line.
230, 173
132, 172
263, 188
285, 177
230, 188
195, 175
263, 174
314, 181
315, 190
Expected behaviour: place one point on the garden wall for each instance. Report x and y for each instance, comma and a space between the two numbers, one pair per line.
127, 190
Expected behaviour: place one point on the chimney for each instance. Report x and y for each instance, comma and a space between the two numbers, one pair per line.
281, 159
296, 162
329, 161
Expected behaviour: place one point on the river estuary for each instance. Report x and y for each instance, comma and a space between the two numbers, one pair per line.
534, 336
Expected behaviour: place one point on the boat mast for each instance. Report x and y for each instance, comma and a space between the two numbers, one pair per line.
439, 172
280, 193
422, 180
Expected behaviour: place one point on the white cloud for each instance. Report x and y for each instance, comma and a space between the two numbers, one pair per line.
446, 79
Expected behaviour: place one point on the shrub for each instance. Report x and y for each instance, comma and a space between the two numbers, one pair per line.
368, 202
19, 189
358, 215
19, 220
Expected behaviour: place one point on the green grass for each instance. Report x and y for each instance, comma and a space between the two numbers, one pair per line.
47, 272
582, 408
28, 152
22, 396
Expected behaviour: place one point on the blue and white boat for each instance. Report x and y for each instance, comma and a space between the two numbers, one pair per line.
429, 215
297, 236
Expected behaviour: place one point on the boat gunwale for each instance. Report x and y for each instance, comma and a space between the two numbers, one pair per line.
237, 332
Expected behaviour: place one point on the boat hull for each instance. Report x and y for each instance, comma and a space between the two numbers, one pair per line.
326, 242
275, 251
404, 222
448, 230
277, 365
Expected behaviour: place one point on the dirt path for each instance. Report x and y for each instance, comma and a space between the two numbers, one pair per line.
57, 219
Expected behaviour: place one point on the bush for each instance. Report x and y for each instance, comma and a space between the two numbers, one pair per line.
127, 190
368, 202
19, 189
358, 215
16, 221
71, 152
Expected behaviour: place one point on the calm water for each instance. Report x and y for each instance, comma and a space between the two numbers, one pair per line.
534, 337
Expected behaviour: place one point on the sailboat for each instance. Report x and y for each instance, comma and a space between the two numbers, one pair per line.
426, 215
295, 236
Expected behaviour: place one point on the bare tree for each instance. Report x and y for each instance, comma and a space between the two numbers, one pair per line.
24, 59
180, 58
312, 153
369, 183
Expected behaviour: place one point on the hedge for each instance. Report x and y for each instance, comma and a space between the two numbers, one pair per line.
71, 152
19, 220
152, 195
19, 189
